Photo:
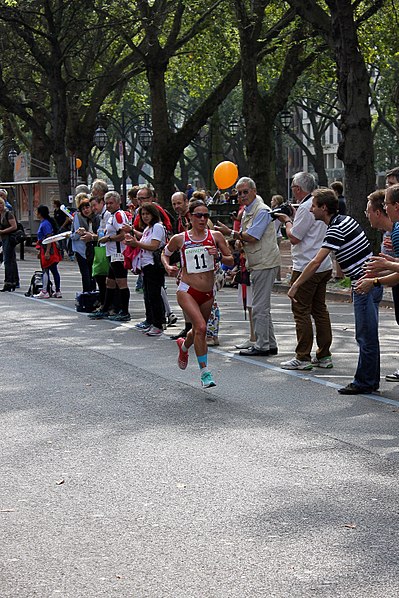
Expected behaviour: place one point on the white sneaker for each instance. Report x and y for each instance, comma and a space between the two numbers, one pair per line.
245, 345
296, 364
324, 362
172, 319
42, 295
57, 295
154, 331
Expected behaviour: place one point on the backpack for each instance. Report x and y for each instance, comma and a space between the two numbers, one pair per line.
36, 284
18, 236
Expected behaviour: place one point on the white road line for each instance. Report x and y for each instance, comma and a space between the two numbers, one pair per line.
267, 366
296, 374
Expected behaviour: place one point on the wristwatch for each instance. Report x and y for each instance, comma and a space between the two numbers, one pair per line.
376, 282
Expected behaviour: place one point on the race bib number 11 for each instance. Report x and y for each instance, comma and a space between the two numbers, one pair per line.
198, 259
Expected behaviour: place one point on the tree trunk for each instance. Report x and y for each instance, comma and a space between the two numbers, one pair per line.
164, 155
356, 149
40, 157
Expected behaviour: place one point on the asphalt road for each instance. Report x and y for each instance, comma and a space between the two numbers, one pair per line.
122, 477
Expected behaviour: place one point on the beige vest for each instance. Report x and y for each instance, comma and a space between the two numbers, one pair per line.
264, 253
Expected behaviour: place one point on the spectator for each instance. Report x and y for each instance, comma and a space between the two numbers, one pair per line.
117, 275
347, 239
85, 223
258, 237
49, 254
306, 236
99, 209
338, 187
4, 195
152, 239
8, 225
383, 213
277, 201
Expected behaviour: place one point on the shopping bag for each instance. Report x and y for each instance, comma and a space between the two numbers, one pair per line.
100, 262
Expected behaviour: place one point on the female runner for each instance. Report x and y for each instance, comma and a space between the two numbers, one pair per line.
200, 249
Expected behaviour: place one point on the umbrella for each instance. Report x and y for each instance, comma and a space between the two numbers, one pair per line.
244, 281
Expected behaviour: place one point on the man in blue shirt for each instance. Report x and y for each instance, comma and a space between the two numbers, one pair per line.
258, 238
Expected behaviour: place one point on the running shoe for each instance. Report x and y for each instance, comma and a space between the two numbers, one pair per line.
182, 359
296, 364
206, 380
42, 295
57, 295
154, 331
98, 315
120, 317
142, 325
324, 362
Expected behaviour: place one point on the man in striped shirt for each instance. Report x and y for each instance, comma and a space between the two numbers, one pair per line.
347, 240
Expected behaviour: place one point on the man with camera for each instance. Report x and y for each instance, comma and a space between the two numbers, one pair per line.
258, 237
306, 236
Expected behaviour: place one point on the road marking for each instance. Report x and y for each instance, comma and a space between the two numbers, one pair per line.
267, 366
300, 376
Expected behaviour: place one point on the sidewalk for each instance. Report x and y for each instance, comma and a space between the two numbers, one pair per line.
334, 291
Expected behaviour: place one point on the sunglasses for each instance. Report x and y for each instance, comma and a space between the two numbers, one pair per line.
85, 205
244, 192
200, 215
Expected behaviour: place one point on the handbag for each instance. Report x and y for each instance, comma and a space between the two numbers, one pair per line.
157, 258
17, 237
100, 262
55, 256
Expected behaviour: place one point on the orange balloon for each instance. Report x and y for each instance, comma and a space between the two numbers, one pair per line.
78, 163
225, 174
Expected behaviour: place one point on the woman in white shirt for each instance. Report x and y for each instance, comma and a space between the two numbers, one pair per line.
150, 242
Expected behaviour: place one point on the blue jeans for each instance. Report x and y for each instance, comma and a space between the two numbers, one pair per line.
366, 333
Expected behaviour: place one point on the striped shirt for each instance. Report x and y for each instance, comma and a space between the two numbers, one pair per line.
395, 238
346, 238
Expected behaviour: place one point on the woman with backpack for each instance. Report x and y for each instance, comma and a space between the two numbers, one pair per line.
49, 254
8, 226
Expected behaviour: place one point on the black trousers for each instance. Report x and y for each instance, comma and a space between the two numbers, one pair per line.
153, 281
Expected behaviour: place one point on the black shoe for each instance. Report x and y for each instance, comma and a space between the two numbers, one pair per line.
8, 287
182, 334
253, 351
352, 389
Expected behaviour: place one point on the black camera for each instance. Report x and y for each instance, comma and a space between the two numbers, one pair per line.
285, 208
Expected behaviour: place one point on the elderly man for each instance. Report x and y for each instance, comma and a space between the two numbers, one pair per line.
258, 236
306, 236
113, 238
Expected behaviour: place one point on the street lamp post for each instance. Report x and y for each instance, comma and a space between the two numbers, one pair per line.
286, 119
101, 138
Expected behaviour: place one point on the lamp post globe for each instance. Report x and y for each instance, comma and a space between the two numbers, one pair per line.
100, 138
145, 137
234, 126
12, 156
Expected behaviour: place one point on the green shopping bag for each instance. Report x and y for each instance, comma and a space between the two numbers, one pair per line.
100, 262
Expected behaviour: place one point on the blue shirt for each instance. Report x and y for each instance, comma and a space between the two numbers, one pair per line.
260, 222
44, 230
